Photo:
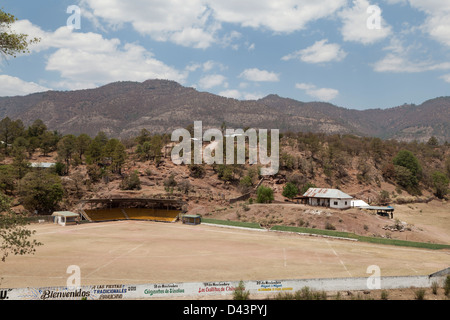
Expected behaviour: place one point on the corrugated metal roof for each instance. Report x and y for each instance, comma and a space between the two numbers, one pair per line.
326, 193
42, 164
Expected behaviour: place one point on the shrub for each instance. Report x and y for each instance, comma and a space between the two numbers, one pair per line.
290, 190
94, 172
434, 287
420, 294
264, 195
384, 295
246, 183
440, 183
307, 293
447, 286
239, 293
131, 182
329, 226
197, 171
170, 182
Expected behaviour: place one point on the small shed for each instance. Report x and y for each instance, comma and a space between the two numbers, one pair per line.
193, 219
64, 217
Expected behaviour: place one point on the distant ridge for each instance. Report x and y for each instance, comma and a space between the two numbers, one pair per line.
122, 109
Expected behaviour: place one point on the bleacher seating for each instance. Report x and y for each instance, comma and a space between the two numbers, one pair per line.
132, 214
152, 214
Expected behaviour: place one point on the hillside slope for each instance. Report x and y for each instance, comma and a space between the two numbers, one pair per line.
122, 109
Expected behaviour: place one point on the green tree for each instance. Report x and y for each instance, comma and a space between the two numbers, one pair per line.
447, 167
405, 178
440, 183
433, 142
144, 136
264, 195
407, 159
20, 164
12, 43
14, 236
7, 179
119, 156
66, 149
9, 131
156, 146
37, 128
306, 186
81, 145
48, 142
290, 190
40, 191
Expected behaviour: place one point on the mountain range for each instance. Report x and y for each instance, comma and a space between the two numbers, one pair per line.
122, 109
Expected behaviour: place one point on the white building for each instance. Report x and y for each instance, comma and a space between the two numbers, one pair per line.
332, 198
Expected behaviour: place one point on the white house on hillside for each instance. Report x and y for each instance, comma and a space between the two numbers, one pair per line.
332, 198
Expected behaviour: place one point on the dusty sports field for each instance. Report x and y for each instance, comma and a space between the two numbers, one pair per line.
141, 252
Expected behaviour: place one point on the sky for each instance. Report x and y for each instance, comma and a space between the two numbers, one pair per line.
355, 54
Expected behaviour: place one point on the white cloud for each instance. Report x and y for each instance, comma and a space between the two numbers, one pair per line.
323, 94
257, 75
185, 23
195, 23
446, 77
213, 80
437, 24
399, 59
319, 52
13, 86
234, 94
355, 21
86, 60
277, 16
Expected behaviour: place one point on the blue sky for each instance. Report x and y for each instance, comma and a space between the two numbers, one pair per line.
355, 54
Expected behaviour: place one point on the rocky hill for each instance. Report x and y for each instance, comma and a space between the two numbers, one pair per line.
122, 109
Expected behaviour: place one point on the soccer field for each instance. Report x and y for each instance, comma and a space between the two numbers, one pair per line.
140, 252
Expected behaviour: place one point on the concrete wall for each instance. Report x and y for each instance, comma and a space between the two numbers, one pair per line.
167, 290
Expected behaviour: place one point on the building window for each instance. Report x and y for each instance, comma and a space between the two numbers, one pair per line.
335, 203
345, 202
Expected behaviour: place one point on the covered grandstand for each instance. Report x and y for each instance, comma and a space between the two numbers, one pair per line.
150, 209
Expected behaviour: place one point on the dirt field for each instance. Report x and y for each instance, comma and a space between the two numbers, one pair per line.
135, 252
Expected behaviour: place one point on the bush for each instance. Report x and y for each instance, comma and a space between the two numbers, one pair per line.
420, 294
170, 182
290, 190
440, 184
264, 195
94, 172
329, 226
131, 182
434, 287
447, 286
239, 293
245, 184
197, 171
